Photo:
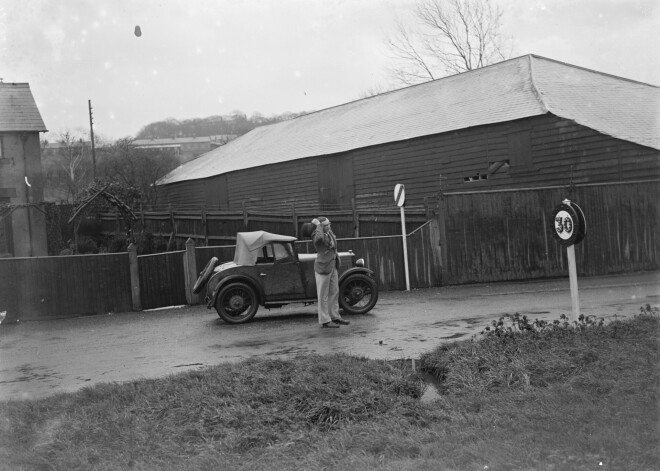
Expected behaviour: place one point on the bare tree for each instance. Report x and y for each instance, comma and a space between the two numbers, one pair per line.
135, 168
67, 164
447, 37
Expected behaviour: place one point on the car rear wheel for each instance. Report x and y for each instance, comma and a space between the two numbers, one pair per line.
237, 303
358, 294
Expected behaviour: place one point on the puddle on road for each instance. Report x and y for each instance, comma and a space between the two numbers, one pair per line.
248, 343
455, 336
32, 373
288, 351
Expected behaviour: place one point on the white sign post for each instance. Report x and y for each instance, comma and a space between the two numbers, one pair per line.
570, 228
400, 199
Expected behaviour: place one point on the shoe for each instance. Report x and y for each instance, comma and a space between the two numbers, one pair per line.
341, 321
330, 325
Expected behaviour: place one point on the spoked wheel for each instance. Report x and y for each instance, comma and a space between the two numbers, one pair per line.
237, 303
358, 294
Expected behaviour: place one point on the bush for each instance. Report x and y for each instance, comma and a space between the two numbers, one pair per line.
86, 245
118, 244
147, 243
515, 353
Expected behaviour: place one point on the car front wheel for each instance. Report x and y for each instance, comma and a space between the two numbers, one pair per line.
358, 294
237, 303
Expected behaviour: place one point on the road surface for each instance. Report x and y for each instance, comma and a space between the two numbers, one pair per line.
46, 357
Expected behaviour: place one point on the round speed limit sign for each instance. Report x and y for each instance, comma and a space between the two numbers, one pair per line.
569, 224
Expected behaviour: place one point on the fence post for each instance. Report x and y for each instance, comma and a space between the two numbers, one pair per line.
173, 233
246, 221
190, 275
204, 226
135, 277
442, 238
294, 218
356, 219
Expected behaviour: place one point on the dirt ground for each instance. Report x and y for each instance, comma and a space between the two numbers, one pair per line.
47, 357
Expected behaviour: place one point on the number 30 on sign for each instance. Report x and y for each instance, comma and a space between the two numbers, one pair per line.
569, 224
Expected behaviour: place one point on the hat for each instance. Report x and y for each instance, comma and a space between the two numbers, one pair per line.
324, 221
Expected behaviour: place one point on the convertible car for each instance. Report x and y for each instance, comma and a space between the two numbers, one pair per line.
267, 270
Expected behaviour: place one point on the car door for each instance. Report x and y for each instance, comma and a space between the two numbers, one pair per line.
280, 274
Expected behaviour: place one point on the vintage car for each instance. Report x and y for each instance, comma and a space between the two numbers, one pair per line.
267, 270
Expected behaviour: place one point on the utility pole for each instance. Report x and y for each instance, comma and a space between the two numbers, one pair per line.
91, 132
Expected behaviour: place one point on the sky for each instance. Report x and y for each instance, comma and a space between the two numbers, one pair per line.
200, 58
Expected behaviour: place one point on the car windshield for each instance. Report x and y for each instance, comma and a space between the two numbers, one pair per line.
249, 245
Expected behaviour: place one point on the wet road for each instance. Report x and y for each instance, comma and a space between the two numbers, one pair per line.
42, 358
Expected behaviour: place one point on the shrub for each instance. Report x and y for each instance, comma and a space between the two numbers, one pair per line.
508, 326
516, 353
118, 243
86, 245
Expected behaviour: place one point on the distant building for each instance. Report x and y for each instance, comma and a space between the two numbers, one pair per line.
22, 220
186, 148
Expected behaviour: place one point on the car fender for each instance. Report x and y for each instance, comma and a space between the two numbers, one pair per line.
354, 270
237, 279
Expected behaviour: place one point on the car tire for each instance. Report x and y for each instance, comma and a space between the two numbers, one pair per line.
205, 275
237, 303
358, 294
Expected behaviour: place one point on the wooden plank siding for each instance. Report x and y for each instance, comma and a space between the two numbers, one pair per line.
561, 151
424, 258
184, 195
383, 255
507, 235
65, 286
162, 281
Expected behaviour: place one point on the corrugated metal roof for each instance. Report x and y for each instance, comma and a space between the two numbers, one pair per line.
611, 105
513, 89
18, 110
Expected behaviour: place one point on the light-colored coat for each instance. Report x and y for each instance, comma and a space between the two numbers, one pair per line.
327, 257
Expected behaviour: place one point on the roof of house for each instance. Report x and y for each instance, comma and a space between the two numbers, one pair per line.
517, 88
18, 110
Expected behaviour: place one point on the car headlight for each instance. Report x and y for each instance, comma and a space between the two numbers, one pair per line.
359, 262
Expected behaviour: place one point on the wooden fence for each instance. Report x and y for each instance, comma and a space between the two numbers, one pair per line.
474, 237
66, 286
211, 228
508, 235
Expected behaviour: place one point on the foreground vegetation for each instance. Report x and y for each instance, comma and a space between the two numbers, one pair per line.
524, 396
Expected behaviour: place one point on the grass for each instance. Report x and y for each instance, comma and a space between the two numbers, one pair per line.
550, 397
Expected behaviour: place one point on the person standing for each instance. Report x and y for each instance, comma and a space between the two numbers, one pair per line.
326, 270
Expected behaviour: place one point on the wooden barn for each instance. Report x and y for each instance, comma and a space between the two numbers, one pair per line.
529, 122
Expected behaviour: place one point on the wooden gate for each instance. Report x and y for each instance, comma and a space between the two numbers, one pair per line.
508, 235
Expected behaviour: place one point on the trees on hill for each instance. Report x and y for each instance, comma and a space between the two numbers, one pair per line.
236, 123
